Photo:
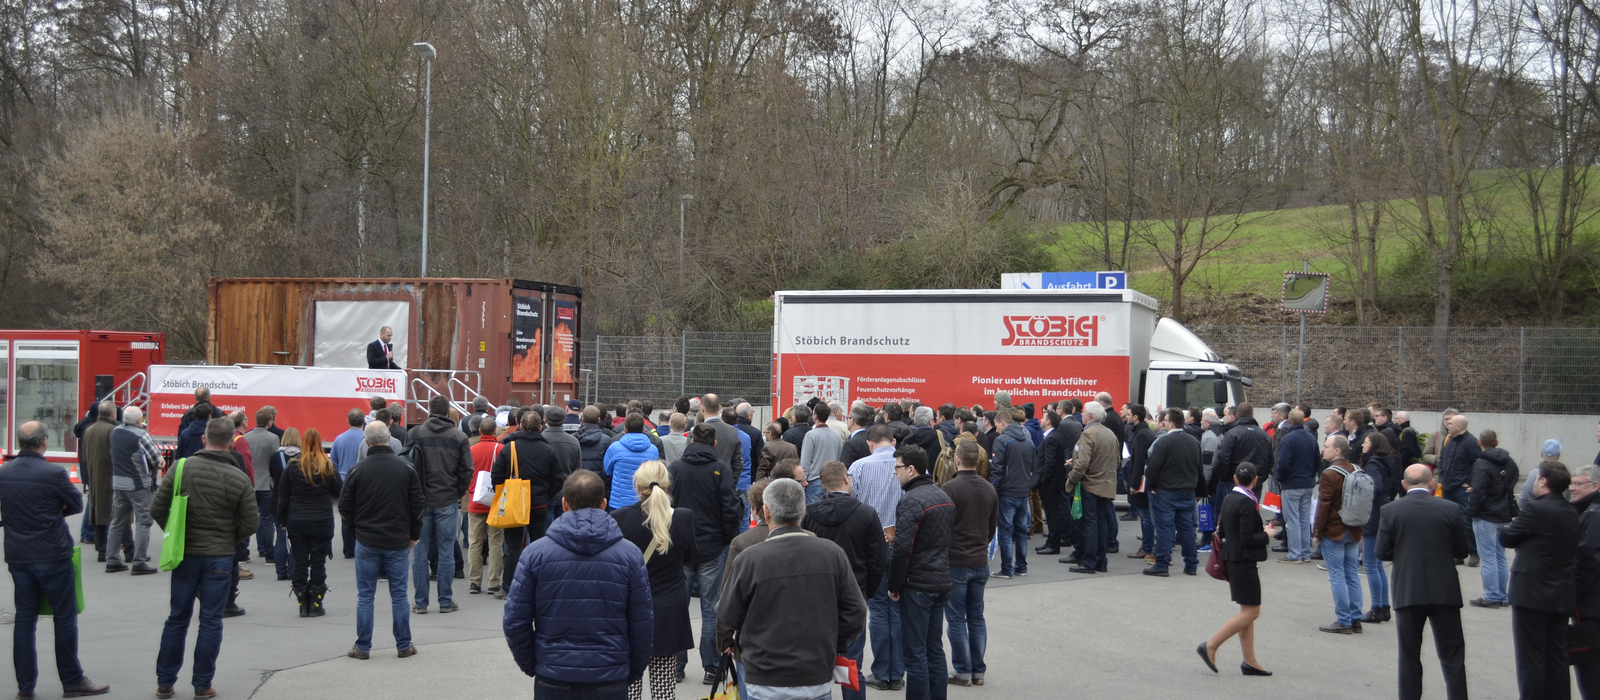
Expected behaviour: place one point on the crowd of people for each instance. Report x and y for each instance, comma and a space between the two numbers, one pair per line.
602, 528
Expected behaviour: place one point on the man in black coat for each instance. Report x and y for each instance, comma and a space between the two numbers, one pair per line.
855, 447
1586, 570
1244, 441
1545, 535
380, 352
1424, 536
1051, 465
1169, 477
802, 425
699, 484
852, 525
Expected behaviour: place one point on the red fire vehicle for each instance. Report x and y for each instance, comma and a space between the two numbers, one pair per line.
54, 376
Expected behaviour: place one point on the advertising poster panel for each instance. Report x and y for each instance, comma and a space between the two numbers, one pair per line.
527, 332
564, 348
879, 352
310, 397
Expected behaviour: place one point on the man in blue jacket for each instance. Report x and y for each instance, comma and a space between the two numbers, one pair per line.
35, 499
1298, 466
579, 616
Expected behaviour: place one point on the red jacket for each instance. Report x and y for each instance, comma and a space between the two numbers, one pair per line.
483, 454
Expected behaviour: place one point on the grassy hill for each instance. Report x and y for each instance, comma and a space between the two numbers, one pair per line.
1248, 270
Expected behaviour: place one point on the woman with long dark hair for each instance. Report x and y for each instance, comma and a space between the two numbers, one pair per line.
1244, 543
306, 496
1379, 464
666, 537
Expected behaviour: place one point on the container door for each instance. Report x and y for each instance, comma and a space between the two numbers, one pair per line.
528, 342
45, 388
564, 332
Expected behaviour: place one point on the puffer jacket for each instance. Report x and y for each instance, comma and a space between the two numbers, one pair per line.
853, 526
1460, 452
1298, 461
920, 556
35, 498
623, 458
222, 504
443, 458
1494, 479
1011, 465
592, 443
1244, 442
579, 609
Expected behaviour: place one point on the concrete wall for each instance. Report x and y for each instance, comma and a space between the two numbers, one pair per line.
1521, 434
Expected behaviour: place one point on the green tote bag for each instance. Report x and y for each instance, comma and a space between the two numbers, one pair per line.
77, 583
177, 517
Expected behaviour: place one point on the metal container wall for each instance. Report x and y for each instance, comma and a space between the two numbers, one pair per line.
459, 325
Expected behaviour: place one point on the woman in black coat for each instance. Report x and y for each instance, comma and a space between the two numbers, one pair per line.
666, 537
307, 491
1380, 466
1244, 542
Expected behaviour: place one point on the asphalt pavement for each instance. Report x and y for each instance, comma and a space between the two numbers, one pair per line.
1051, 634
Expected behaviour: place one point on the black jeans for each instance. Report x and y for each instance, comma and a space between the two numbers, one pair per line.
309, 545
1050, 498
516, 539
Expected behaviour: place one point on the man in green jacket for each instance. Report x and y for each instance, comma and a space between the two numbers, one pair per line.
222, 513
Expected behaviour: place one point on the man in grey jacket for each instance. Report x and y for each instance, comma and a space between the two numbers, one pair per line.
442, 458
134, 462
569, 456
264, 446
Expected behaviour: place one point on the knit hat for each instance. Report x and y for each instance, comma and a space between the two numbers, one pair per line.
1552, 448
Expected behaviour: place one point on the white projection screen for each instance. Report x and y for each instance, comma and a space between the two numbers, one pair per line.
344, 328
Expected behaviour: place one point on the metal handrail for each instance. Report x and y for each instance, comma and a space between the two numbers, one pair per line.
468, 394
128, 394
431, 392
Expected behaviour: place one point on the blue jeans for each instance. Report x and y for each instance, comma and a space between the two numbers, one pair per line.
553, 690
744, 522
282, 558
856, 651
1174, 517
1342, 558
814, 491
968, 633
922, 618
439, 527
1493, 566
1297, 521
1147, 527
393, 563
52, 581
883, 622
1459, 496
1015, 522
1377, 578
1099, 529
265, 531
708, 578
206, 579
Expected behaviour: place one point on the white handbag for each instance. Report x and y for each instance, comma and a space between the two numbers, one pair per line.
483, 486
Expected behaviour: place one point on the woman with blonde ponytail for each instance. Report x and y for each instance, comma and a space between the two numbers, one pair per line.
665, 535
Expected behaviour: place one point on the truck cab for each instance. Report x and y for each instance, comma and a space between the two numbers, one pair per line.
1184, 372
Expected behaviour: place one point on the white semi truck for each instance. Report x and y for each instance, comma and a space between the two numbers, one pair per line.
962, 345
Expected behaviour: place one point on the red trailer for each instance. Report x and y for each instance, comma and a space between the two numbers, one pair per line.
54, 376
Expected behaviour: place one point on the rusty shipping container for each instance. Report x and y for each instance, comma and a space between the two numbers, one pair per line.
505, 338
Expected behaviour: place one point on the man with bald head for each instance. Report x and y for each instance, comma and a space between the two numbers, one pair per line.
1424, 536
1454, 470
35, 499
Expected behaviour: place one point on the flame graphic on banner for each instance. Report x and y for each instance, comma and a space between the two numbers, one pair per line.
561, 360
525, 364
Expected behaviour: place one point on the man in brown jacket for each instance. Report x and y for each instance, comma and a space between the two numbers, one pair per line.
1341, 546
1095, 463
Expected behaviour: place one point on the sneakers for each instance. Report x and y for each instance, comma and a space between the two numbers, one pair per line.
1003, 574
448, 608
474, 589
1287, 560
419, 610
1280, 548
1472, 561
1204, 550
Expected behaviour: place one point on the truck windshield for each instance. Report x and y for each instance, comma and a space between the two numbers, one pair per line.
1238, 392
1197, 392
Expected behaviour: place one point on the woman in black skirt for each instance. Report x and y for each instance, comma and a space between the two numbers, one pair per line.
1244, 542
666, 537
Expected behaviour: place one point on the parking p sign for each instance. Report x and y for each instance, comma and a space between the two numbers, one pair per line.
1111, 280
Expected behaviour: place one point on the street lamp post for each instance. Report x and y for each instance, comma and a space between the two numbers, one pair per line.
428, 54
683, 201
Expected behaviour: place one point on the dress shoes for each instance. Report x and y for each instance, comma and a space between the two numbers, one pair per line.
1047, 550
1155, 571
1280, 548
1249, 670
1071, 559
85, 688
1081, 570
1201, 650
1337, 628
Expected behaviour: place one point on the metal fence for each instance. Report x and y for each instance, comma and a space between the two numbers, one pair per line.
659, 369
1502, 370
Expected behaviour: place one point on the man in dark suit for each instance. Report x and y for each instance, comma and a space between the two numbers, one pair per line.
1545, 535
1052, 457
380, 352
1424, 536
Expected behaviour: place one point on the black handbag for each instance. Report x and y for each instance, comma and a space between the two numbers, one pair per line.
1583, 641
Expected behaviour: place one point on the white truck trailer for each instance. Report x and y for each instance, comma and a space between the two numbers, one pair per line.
962, 345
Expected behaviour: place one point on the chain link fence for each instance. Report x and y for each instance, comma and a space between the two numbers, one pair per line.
1501, 370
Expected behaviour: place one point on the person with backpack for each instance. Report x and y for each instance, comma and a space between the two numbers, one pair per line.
1344, 504
1492, 503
